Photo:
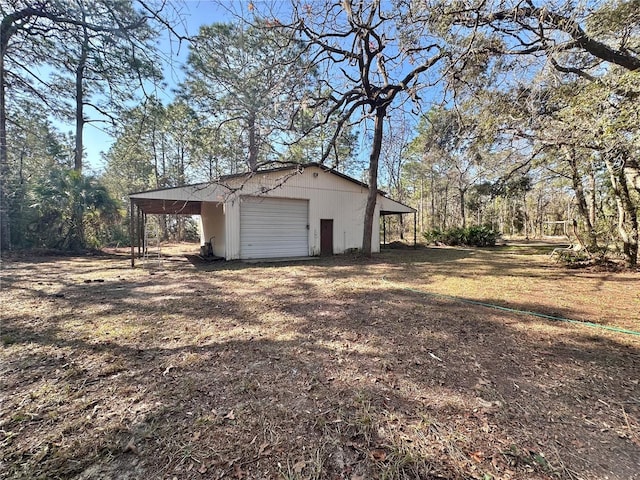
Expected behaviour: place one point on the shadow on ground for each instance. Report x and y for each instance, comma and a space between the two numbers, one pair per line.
302, 370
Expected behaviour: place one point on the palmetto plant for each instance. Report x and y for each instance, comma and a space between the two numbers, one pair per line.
71, 210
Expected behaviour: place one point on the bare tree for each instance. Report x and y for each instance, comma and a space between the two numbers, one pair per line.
374, 56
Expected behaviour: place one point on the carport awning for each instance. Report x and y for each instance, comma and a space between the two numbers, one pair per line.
185, 200
392, 207
163, 206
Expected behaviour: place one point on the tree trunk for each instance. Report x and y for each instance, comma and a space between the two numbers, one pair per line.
445, 206
82, 63
6, 31
632, 172
538, 227
463, 213
372, 197
77, 239
525, 215
253, 142
592, 196
627, 216
5, 233
181, 181
422, 202
163, 161
581, 200
432, 191
154, 150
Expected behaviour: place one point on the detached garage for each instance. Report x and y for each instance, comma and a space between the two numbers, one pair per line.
295, 211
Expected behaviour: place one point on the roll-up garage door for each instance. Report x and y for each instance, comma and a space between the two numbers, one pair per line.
273, 227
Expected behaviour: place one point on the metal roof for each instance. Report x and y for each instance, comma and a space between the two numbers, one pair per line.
185, 200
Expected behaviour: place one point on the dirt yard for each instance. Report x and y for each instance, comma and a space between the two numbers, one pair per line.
337, 368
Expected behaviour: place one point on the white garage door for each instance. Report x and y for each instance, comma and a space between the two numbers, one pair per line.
273, 227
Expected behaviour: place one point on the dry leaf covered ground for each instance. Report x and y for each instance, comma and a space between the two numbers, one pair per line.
337, 368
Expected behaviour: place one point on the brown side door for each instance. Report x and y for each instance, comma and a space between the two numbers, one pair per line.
326, 237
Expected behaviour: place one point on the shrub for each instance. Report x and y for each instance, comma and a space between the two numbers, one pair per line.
481, 236
475, 236
432, 236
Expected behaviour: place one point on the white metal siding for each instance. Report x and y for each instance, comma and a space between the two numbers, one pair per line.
212, 219
273, 227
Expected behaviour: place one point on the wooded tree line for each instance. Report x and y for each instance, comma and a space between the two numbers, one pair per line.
552, 135
512, 114
73, 61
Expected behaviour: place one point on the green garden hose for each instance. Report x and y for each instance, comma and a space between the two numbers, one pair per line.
523, 312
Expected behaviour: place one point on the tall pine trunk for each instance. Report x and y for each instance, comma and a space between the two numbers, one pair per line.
80, 121
77, 238
463, 211
632, 172
253, 142
5, 233
7, 29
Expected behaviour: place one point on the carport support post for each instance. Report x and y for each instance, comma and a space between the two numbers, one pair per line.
131, 234
415, 231
143, 234
384, 230
139, 227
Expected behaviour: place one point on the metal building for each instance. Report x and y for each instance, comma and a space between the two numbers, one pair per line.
293, 211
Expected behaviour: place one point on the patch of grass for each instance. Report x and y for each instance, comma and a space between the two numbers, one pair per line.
20, 417
401, 462
9, 340
526, 249
303, 469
